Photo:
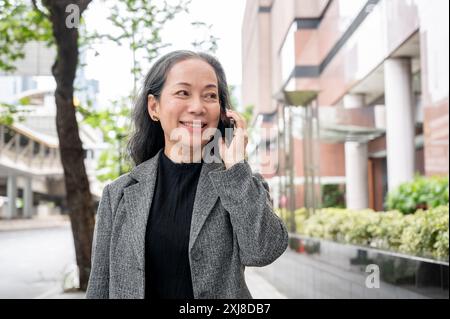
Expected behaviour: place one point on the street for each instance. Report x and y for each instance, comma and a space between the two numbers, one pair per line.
33, 262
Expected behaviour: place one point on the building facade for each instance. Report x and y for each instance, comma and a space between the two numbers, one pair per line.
31, 174
347, 93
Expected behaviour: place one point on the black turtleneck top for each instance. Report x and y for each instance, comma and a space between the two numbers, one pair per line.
167, 268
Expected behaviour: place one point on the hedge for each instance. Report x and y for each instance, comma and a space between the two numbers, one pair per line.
424, 233
421, 193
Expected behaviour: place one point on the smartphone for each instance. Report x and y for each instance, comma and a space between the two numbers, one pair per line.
226, 127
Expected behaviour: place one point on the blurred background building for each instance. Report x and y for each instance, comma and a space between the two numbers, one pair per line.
355, 94
31, 174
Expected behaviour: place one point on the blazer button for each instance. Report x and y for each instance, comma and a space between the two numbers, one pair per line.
197, 255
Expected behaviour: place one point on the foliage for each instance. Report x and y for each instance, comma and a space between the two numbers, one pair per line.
332, 196
424, 233
138, 25
9, 114
248, 113
422, 192
208, 42
20, 24
115, 127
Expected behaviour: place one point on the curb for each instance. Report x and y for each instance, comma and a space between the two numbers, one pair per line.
32, 224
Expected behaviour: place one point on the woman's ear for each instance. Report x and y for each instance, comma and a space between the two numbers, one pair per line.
152, 107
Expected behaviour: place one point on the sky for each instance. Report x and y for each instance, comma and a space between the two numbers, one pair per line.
111, 65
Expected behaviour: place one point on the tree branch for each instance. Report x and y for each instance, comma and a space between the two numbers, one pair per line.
39, 10
83, 4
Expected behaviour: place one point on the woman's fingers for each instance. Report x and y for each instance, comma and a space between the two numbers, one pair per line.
239, 119
241, 125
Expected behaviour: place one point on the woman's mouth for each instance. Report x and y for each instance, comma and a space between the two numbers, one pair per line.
193, 126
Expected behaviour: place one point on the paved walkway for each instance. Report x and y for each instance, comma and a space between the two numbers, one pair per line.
258, 286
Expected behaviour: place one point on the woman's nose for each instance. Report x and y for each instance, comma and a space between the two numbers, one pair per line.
196, 105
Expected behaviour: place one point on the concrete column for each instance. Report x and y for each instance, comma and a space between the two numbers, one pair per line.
356, 167
356, 171
11, 190
380, 117
27, 198
400, 130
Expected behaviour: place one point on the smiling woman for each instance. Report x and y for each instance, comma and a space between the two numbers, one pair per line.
179, 225
181, 90
187, 106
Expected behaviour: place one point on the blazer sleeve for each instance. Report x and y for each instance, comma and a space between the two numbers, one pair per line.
261, 234
98, 286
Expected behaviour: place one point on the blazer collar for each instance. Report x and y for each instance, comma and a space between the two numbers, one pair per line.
138, 199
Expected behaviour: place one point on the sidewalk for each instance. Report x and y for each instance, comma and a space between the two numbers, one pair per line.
49, 221
58, 293
258, 286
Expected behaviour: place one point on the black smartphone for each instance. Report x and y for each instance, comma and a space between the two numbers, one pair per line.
226, 127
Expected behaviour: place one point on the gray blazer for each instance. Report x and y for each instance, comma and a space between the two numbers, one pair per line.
233, 225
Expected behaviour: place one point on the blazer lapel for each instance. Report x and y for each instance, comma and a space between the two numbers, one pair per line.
205, 198
138, 199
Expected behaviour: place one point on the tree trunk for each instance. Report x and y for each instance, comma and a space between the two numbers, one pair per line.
79, 197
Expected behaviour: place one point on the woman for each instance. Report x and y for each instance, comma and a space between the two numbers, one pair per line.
185, 221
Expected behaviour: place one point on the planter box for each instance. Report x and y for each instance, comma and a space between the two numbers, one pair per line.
316, 268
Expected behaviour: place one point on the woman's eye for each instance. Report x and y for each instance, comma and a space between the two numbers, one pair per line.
211, 96
182, 93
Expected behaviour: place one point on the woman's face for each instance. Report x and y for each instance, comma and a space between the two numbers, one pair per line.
189, 104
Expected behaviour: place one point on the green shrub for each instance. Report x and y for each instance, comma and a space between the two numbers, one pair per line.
361, 227
342, 225
441, 245
425, 233
388, 234
422, 193
332, 196
300, 217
